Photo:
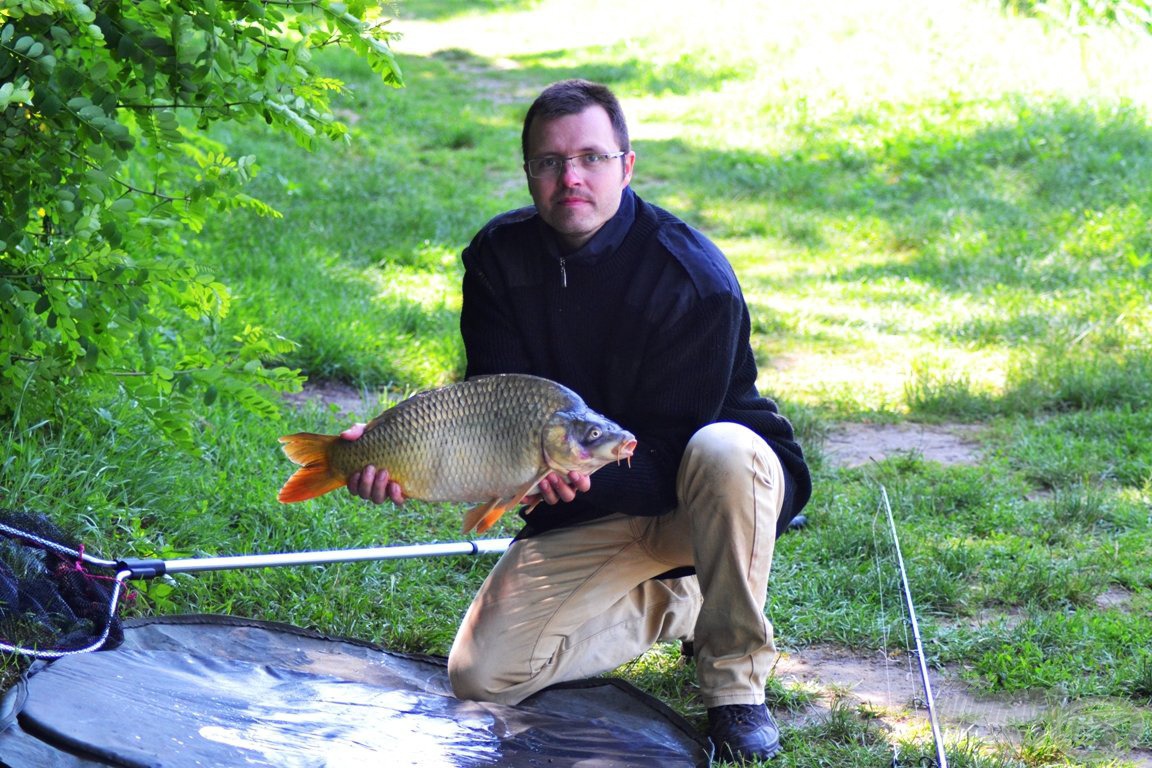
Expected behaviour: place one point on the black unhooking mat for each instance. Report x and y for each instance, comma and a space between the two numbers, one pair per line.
221, 692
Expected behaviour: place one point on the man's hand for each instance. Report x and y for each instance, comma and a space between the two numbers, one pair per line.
555, 488
370, 483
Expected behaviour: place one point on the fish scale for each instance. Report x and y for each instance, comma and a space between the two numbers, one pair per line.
487, 440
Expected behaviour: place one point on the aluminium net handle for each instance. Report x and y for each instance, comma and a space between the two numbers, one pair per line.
38, 569
152, 568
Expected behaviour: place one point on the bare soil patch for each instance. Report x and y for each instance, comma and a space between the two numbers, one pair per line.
891, 687
852, 445
356, 404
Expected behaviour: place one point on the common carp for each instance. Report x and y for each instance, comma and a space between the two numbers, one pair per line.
487, 440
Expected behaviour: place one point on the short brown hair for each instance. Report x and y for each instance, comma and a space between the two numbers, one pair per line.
571, 97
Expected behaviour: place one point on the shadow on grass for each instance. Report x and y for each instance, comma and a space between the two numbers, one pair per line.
1001, 205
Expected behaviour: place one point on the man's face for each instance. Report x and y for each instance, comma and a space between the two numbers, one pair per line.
577, 201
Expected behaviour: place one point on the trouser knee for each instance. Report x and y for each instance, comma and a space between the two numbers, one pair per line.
718, 452
722, 441
475, 680
468, 680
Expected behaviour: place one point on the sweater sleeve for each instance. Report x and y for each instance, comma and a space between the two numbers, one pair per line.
491, 341
686, 368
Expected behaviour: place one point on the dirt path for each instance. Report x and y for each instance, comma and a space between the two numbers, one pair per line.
892, 688
851, 445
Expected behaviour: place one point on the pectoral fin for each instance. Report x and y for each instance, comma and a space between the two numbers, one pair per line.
483, 516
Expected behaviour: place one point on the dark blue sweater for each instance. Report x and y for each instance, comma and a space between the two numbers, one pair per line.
646, 322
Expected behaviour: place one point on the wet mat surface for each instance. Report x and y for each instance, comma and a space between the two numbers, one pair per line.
214, 691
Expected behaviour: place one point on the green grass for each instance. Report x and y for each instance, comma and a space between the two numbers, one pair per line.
937, 215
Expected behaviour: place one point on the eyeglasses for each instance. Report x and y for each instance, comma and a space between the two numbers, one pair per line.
552, 166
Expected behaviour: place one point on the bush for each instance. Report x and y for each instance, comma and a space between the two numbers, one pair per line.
107, 173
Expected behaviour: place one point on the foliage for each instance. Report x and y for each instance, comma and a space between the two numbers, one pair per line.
107, 176
1082, 17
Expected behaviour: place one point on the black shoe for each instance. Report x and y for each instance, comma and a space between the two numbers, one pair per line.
743, 732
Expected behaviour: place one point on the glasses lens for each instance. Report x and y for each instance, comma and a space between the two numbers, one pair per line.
542, 167
595, 162
546, 167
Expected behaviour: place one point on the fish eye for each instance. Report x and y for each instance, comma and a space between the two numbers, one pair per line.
593, 434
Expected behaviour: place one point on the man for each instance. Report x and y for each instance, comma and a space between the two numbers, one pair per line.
643, 317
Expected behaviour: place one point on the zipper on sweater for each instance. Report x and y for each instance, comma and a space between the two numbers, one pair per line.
563, 273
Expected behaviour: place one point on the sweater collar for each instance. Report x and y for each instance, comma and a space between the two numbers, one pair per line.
605, 242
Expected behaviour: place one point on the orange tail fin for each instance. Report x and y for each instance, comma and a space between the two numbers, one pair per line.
315, 476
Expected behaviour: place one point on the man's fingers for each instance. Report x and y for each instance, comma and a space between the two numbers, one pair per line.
354, 483
375, 485
545, 490
564, 492
360, 482
380, 486
353, 432
555, 488
580, 482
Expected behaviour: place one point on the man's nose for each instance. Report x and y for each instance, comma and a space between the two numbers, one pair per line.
570, 172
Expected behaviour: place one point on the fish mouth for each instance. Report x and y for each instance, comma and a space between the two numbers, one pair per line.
625, 450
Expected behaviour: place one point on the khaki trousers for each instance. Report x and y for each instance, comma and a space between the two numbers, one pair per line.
578, 602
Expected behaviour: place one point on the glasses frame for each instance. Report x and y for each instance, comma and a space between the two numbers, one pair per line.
549, 174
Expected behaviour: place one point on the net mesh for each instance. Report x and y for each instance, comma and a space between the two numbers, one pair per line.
52, 601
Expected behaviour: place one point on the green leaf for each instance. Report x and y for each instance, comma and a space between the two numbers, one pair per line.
91, 354
49, 104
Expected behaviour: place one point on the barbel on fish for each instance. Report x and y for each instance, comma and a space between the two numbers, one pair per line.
487, 440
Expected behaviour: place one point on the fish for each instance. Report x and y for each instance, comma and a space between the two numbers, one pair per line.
487, 440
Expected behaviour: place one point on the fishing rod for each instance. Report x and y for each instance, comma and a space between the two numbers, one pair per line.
41, 575
929, 700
